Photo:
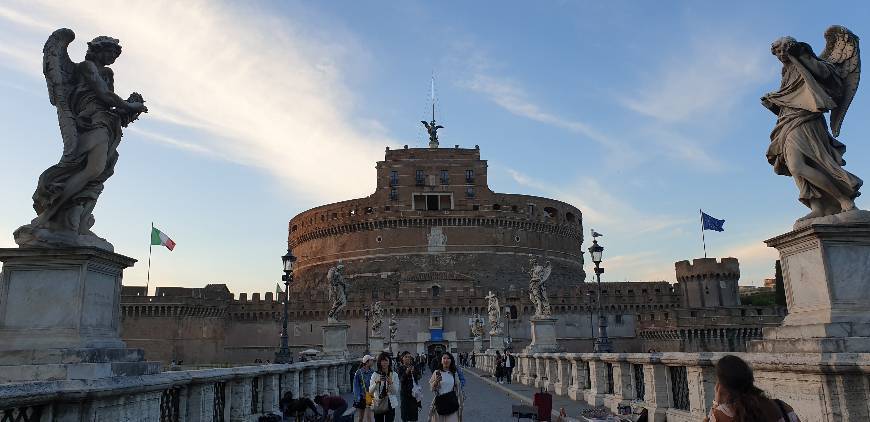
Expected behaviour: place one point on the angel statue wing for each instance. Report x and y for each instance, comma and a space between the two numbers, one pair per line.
59, 73
425, 123
545, 274
841, 50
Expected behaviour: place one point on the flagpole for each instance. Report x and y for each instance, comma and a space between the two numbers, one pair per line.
148, 278
703, 241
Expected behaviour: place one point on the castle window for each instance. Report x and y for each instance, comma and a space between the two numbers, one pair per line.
436, 291
469, 176
369, 210
445, 177
514, 208
667, 315
469, 192
617, 318
693, 314
569, 217
652, 317
334, 215
420, 178
394, 196
394, 178
743, 312
531, 209
551, 212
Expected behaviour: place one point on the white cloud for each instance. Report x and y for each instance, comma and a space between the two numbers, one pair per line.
708, 75
252, 89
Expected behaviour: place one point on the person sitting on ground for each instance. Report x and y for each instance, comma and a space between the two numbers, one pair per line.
334, 404
739, 400
295, 408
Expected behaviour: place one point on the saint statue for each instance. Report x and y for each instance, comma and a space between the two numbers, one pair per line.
337, 291
801, 145
394, 327
495, 328
537, 290
477, 326
91, 117
377, 319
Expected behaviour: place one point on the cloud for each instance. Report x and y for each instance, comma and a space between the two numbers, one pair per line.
710, 76
259, 90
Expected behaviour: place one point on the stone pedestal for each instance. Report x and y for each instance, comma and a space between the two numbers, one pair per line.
478, 344
543, 336
335, 339
376, 345
826, 272
60, 315
496, 342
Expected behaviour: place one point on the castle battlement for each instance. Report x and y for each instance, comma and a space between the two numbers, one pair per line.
707, 268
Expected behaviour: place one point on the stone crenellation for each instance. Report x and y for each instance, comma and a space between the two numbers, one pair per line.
706, 268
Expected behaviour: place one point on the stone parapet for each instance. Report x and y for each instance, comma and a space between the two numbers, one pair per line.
240, 393
681, 386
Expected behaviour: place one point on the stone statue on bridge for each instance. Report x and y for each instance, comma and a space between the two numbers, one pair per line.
495, 328
91, 117
801, 145
377, 319
337, 291
477, 326
537, 289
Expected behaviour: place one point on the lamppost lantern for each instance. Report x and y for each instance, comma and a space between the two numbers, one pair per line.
596, 251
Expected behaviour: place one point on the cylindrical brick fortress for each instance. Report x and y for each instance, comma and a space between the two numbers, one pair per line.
433, 216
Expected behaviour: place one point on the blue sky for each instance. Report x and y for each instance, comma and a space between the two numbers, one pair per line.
637, 113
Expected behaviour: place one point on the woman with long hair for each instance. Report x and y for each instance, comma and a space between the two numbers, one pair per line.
445, 383
385, 388
739, 400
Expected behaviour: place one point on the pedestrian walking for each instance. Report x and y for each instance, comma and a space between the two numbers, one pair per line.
410, 393
739, 400
510, 362
362, 399
384, 387
445, 383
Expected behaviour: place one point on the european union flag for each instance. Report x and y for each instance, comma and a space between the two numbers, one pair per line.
711, 223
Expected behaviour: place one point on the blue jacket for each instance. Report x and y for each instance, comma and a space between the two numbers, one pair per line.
361, 381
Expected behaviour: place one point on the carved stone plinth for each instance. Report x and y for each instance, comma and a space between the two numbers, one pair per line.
376, 345
478, 344
335, 340
543, 336
60, 315
496, 342
826, 272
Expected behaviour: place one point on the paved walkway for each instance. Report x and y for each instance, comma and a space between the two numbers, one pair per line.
488, 401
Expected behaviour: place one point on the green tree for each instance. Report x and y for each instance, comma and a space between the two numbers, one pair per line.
779, 288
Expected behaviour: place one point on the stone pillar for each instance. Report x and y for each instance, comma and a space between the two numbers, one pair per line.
527, 363
322, 380
478, 344
335, 340
657, 390
240, 400
60, 316
575, 391
200, 403
702, 388
540, 370
496, 342
269, 393
825, 270
550, 376
310, 383
292, 383
376, 345
598, 378
562, 373
543, 336
623, 392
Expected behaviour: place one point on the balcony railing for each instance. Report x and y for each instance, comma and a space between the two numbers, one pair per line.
224, 394
681, 386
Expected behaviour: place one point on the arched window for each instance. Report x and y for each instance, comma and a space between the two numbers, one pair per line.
436, 290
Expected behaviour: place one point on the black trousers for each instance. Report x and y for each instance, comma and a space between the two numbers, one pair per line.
509, 372
390, 416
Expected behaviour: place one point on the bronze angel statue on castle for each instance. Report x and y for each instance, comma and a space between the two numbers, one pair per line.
801, 145
91, 117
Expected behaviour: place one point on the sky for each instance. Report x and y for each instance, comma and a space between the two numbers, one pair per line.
637, 113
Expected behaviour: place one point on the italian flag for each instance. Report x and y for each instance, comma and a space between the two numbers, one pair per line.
160, 238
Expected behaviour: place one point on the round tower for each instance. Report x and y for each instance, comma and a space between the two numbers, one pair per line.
708, 283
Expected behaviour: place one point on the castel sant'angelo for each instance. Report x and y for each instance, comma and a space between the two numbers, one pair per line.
430, 244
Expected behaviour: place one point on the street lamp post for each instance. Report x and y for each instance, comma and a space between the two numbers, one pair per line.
283, 355
602, 343
508, 341
367, 311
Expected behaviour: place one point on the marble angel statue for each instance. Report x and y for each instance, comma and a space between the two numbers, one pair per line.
537, 289
91, 118
337, 291
801, 145
377, 319
493, 309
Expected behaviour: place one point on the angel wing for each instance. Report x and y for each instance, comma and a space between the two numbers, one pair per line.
841, 50
425, 123
59, 73
439, 127
545, 274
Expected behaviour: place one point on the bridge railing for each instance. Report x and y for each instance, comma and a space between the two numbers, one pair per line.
213, 395
681, 386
